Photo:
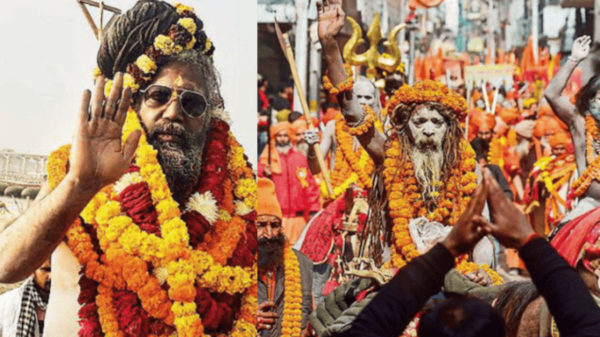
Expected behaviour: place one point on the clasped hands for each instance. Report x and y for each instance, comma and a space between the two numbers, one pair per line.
510, 225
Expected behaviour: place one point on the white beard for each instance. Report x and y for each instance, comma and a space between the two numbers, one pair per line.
522, 148
284, 149
428, 170
302, 147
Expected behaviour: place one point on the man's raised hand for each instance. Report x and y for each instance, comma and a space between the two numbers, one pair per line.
581, 47
510, 225
331, 18
466, 232
97, 157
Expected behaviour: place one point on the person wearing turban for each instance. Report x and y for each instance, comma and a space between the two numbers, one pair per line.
272, 247
298, 128
549, 184
296, 188
142, 189
485, 126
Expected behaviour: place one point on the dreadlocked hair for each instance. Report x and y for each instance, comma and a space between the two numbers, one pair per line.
452, 137
129, 35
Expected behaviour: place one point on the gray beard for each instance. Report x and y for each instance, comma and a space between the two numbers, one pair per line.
428, 170
302, 147
283, 149
181, 163
522, 148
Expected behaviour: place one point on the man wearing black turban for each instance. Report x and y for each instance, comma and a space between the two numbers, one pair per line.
160, 60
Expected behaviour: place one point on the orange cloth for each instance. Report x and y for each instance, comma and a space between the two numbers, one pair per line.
299, 126
275, 161
267, 199
292, 228
544, 110
330, 115
509, 115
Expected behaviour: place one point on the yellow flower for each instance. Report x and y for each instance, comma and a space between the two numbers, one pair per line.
191, 44
166, 45
129, 82
188, 24
97, 72
146, 64
181, 8
208, 45
108, 87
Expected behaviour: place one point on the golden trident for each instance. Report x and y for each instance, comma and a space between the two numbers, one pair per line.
371, 58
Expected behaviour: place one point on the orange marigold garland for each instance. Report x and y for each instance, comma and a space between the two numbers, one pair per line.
347, 85
292, 307
429, 91
350, 167
364, 126
592, 172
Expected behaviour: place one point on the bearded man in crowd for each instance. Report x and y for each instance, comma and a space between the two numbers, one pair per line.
126, 222
299, 127
428, 165
23, 309
341, 146
278, 269
296, 188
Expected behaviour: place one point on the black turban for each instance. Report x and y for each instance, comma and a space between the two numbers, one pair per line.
128, 35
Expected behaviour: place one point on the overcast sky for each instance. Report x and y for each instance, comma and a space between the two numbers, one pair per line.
49, 51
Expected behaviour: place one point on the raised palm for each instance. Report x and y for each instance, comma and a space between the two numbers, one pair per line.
581, 47
97, 157
331, 18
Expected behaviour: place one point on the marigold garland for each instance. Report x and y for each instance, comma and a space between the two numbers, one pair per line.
120, 266
347, 85
292, 307
349, 168
364, 126
592, 172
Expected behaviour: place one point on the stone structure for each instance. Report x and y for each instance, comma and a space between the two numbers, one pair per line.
22, 169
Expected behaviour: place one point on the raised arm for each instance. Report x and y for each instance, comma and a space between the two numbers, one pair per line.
566, 111
97, 159
331, 21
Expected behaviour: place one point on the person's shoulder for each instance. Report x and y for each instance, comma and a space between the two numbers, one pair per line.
10, 298
302, 259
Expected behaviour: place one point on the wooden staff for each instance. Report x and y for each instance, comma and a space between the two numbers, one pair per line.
289, 54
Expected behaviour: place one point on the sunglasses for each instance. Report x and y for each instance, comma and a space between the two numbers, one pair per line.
193, 103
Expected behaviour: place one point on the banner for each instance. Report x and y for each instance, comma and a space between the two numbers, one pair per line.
491, 73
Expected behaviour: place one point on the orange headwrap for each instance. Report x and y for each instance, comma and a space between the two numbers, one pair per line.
299, 126
548, 125
486, 122
509, 115
560, 138
268, 203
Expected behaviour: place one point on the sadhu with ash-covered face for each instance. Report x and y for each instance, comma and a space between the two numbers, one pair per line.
428, 165
152, 207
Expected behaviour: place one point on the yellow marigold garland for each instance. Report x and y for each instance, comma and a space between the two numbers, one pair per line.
292, 307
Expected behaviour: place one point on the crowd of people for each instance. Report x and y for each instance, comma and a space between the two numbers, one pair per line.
480, 200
